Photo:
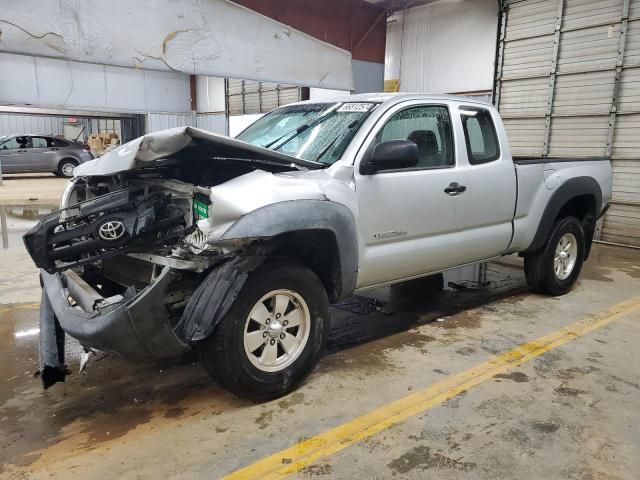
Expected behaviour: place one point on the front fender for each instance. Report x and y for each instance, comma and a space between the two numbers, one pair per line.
299, 215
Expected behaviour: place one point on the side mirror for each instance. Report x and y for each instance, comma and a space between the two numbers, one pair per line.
390, 155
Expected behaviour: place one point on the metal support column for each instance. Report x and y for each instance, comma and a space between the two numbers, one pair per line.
616, 82
3, 227
552, 78
497, 85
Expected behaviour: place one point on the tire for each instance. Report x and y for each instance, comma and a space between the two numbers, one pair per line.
546, 275
228, 355
65, 167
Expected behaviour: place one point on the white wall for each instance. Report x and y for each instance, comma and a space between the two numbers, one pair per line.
443, 47
210, 94
52, 83
212, 37
323, 94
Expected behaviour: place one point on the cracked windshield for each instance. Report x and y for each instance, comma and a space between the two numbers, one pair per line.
316, 132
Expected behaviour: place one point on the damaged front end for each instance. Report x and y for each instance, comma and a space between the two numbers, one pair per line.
128, 265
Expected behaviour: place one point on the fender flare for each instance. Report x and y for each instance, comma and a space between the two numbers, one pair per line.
217, 292
570, 189
299, 215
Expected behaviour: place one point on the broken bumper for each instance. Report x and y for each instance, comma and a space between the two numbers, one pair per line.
137, 328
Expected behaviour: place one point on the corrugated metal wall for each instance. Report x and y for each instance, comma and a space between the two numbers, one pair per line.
12, 123
161, 121
213, 122
568, 85
248, 97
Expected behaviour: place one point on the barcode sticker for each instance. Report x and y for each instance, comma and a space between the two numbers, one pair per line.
355, 107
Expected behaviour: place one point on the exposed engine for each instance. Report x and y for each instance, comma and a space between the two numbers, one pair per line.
126, 220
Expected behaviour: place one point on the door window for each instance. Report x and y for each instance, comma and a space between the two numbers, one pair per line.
429, 127
39, 142
15, 143
480, 135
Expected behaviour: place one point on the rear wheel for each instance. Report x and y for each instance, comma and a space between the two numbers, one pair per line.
272, 336
555, 268
66, 167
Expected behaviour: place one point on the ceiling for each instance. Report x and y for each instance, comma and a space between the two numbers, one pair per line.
395, 5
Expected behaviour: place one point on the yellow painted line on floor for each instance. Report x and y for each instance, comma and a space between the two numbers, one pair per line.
292, 459
19, 306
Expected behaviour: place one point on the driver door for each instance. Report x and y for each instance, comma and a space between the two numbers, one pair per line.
407, 219
14, 154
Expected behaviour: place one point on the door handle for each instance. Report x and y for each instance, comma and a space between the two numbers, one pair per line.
53, 149
455, 189
22, 151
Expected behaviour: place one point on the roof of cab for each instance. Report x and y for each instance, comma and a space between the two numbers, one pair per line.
392, 98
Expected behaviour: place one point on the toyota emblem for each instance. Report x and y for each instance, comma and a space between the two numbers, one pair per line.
111, 230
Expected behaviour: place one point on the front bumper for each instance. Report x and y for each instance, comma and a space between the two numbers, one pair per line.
137, 328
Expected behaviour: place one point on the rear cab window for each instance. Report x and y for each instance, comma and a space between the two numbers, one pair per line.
480, 135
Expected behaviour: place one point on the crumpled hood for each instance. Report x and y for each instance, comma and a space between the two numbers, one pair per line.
145, 150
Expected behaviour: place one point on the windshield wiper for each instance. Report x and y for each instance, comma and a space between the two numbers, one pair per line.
326, 149
304, 127
298, 131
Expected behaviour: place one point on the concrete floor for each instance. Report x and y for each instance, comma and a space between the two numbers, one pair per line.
571, 413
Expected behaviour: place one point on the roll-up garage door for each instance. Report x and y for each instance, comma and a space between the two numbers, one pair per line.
568, 85
248, 97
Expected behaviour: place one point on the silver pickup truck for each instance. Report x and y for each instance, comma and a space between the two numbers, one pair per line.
184, 239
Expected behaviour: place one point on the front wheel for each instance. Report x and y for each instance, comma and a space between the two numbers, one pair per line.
273, 335
554, 269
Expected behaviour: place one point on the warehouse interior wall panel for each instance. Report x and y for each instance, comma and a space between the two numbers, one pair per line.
432, 48
162, 121
573, 136
247, 97
584, 93
626, 137
210, 94
531, 19
589, 49
12, 123
524, 98
622, 225
525, 135
579, 97
527, 57
584, 13
629, 92
323, 94
213, 122
367, 76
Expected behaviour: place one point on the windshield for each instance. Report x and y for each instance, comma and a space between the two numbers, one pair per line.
319, 132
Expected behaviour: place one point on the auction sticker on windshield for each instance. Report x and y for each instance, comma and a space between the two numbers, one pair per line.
356, 107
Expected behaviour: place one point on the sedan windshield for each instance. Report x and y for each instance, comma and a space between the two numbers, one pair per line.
319, 132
